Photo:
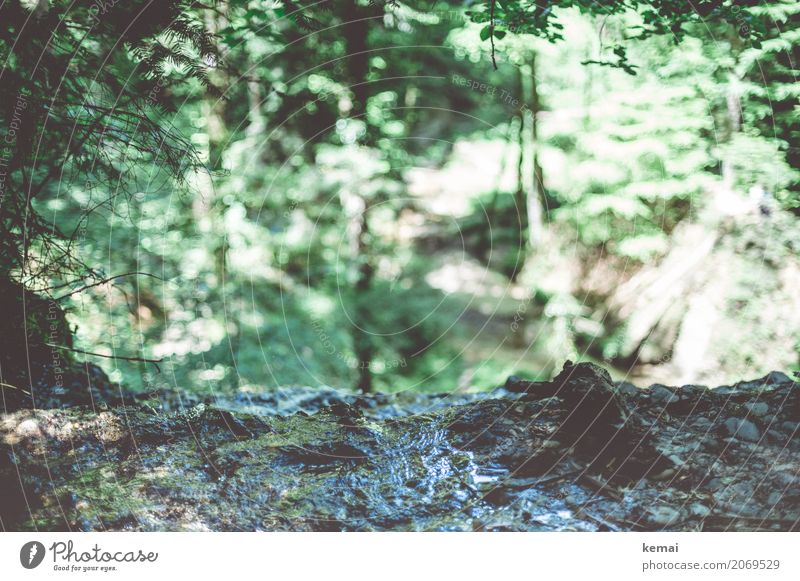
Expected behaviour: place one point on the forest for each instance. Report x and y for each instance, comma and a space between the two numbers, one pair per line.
377, 265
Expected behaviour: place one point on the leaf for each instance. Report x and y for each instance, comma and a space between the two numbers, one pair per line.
486, 31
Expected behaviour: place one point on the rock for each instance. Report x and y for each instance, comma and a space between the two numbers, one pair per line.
664, 515
317, 459
692, 392
618, 435
677, 460
28, 429
702, 423
742, 429
757, 409
776, 436
775, 377
787, 480
627, 389
771, 379
774, 498
663, 395
516, 384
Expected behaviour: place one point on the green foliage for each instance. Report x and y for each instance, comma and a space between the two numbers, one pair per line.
657, 17
495, 232
410, 328
81, 89
247, 162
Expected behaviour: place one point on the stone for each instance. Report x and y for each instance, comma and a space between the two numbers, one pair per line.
787, 479
692, 391
776, 436
627, 389
771, 379
775, 377
28, 429
757, 409
742, 429
661, 394
664, 515
702, 423
699, 510
318, 459
677, 460
790, 427
775, 498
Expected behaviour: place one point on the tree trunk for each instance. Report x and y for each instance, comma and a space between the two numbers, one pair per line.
733, 105
734, 119
356, 30
214, 106
520, 199
364, 348
206, 208
535, 199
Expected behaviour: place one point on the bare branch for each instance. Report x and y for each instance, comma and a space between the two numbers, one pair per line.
88, 286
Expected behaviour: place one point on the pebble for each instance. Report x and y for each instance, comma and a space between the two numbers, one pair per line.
661, 394
699, 510
774, 377
677, 460
776, 436
702, 423
757, 409
790, 426
774, 499
692, 391
664, 515
742, 429
28, 429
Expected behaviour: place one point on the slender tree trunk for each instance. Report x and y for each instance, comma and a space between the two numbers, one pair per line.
364, 347
520, 197
356, 30
214, 106
206, 207
734, 118
536, 196
255, 118
733, 105
520, 200
588, 90
491, 209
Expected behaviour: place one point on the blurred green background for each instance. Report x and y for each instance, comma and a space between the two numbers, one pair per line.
384, 210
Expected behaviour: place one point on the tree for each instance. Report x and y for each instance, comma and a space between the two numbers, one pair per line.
127, 102
81, 87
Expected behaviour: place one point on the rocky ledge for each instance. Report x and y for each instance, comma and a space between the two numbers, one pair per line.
576, 453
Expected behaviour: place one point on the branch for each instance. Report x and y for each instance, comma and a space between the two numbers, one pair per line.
491, 32
88, 286
82, 352
2, 384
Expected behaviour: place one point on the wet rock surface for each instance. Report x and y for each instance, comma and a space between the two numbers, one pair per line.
575, 453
